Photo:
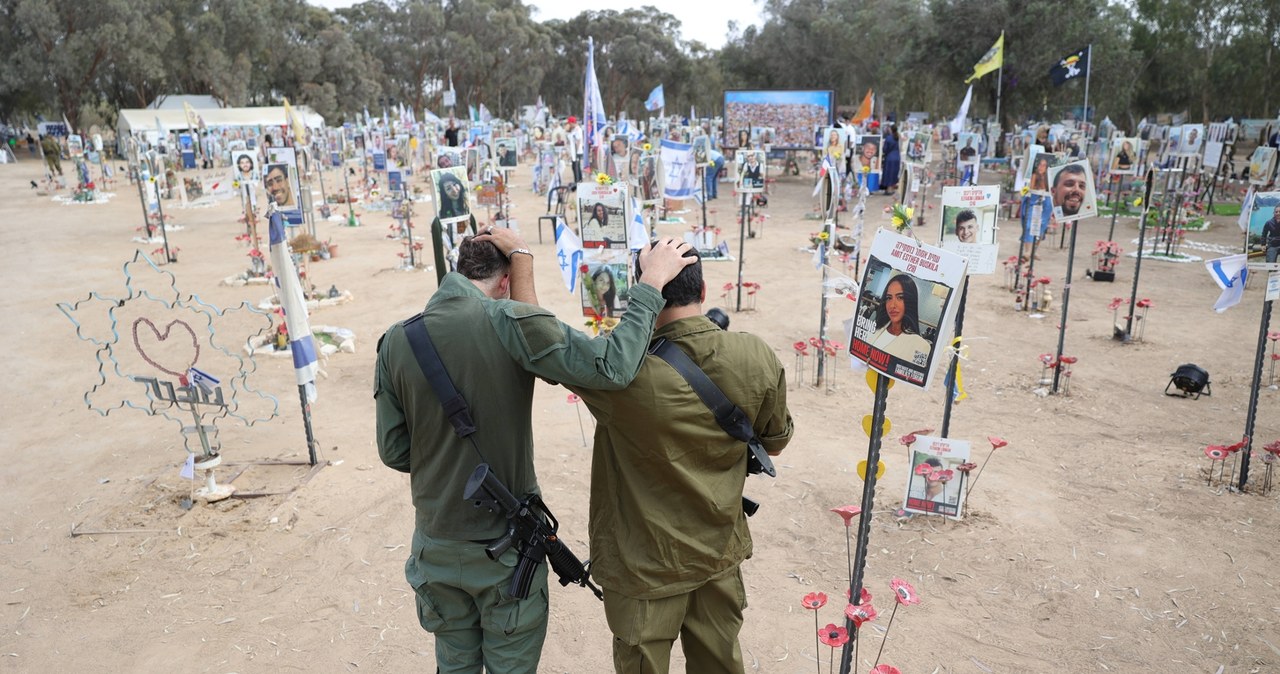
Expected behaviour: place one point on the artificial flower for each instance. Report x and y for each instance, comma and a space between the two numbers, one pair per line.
885, 669
996, 443
814, 600
1137, 202
1026, 191
800, 347
1216, 452
572, 399
966, 467
864, 597
860, 613
647, 147
923, 469
948, 475
833, 636
906, 595
847, 512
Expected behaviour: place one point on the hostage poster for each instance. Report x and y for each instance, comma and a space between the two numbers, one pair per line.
905, 307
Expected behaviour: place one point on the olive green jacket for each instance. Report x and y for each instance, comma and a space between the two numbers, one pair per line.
492, 350
666, 479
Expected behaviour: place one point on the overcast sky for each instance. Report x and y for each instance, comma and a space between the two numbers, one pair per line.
706, 22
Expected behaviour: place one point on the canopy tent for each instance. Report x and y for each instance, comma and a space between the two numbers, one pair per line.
138, 120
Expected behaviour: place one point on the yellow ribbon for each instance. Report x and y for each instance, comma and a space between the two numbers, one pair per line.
960, 353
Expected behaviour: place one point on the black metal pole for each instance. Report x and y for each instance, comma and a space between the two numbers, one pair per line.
306, 423
142, 196
1253, 394
864, 519
820, 371
703, 170
1115, 210
1137, 267
955, 361
742, 247
163, 232
1066, 301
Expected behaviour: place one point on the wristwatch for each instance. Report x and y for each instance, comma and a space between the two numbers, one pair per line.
524, 251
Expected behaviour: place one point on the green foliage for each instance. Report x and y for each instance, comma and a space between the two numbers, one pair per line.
1210, 58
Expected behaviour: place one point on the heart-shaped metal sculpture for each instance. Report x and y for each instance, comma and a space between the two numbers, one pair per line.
162, 337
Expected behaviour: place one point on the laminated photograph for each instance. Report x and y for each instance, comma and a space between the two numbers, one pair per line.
935, 485
905, 307
968, 226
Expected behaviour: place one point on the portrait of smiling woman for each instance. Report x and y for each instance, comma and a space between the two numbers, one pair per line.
898, 321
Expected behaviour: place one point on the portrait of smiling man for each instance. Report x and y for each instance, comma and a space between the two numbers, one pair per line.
1071, 186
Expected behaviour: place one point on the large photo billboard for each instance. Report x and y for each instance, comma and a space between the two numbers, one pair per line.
794, 116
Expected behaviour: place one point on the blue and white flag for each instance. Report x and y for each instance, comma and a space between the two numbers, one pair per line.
1246, 210
188, 471
962, 117
656, 100
202, 379
637, 233
485, 116
1230, 273
568, 254
593, 119
289, 290
681, 172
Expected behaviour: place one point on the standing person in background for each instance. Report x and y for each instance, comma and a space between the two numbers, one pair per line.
573, 142
52, 154
451, 133
892, 160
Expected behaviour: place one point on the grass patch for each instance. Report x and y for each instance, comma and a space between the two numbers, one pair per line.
1226, 209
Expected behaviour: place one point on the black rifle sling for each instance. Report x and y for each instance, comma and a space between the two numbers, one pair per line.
730, 417
455, 406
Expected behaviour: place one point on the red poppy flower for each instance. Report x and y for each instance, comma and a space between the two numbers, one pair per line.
728, 287
1115, 303
923, 469
814, 600
1043, 280
864, 596
1144, 303
1232, 449
1216, 452
1047, 359
996, 442
800, 347
1070, 360
948, 475
1274, 447
847, 512
906, 595
934, 476
966, 467
833, 636
1275, 356
860, 613
1273, 336
885, 669
572, 399
584, 269
813, 341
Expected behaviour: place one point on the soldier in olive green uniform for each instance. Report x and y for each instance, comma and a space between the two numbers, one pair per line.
492, 348
668, 534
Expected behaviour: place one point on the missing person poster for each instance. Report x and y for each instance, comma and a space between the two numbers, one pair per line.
905, 307
1072, 190
605, 282
602, 210
969, 225
452, 195
280, 178
936, 484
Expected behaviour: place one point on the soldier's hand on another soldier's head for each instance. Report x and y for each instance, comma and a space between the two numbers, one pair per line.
663, 261
505, 238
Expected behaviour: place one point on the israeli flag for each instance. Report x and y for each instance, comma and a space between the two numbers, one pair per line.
204, 380
656, 100
681, 172
637, 233
1230, 273
289, 290
568, 254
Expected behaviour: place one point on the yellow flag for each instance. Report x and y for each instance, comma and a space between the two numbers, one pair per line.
992, 60
291, 117
193, 120
864, 110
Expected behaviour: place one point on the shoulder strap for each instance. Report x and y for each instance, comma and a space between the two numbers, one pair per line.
455, 406
729, 416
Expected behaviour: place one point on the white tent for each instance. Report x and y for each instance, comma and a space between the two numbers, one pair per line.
138, 120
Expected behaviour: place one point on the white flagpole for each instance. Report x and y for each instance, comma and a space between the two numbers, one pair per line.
1087, 73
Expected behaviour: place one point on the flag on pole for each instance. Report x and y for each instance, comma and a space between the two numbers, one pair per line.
294, 121
592, 107
637, 233
681, 171
957, 124
656, 100
568, 254
193, 120
864, 110
485, 117
992, 60
1230, 273
1070, 67
289, 290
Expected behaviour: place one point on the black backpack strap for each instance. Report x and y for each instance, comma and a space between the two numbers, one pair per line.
729, 416
455, 406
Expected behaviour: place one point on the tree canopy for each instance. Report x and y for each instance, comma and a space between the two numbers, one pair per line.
1209, 58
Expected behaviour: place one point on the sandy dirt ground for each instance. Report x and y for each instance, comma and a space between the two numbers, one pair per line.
1091, 542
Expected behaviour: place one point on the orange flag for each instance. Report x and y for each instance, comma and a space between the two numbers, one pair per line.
864, 110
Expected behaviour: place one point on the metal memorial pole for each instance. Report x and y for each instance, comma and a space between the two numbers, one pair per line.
955, 361
1137, 267
742, 247
864, 519
1252, 415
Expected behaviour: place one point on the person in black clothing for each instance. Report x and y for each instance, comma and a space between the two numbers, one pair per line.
1271, 236
451, 134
